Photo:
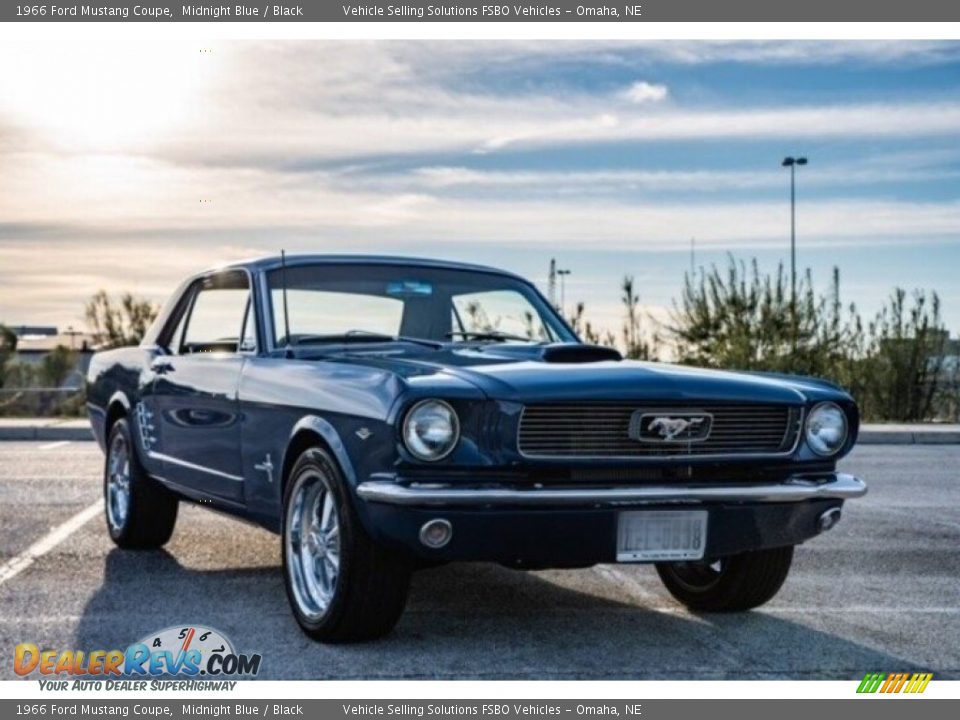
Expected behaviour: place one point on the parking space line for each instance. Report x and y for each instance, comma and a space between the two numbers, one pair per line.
618, 577
51, 478
48, 542
54, 445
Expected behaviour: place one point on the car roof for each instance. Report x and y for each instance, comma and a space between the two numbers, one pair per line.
273, 262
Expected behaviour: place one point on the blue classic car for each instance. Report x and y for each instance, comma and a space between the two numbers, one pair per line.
384, 414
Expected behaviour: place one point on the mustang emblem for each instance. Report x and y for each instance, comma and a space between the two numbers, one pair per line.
669, 428
672, 427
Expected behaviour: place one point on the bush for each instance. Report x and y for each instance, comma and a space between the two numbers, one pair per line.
744, 320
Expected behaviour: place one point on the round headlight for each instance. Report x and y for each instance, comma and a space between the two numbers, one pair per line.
431, 430
826, 429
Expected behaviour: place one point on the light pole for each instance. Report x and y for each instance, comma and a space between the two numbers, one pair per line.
792, 163
563, 291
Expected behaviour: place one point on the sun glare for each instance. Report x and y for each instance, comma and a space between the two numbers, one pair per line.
105, 98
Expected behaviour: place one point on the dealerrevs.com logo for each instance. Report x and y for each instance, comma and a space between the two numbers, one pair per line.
191, 651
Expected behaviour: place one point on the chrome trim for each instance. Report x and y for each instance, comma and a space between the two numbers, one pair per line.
841, 486
191, 466
801, 433
426, 528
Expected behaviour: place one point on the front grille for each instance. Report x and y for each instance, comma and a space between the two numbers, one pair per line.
604, 430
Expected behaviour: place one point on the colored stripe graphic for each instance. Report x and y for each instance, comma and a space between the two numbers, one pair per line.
894, 682
871, 682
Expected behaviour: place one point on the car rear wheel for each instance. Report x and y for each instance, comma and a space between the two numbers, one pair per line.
140, 512
342, 586
728, 584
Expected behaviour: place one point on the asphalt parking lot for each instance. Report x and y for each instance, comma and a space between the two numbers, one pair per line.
881, 592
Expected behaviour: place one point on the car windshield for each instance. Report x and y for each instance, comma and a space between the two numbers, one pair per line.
364, 303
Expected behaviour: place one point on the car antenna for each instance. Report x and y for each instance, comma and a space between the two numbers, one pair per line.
286, 315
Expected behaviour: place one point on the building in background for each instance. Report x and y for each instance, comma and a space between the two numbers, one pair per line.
35, 342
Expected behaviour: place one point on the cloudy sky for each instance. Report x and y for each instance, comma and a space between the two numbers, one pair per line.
129, 166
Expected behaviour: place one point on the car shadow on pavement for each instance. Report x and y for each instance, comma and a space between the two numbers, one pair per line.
472, 621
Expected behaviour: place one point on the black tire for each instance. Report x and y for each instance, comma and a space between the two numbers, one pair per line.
369, 591
741, 582
151, 509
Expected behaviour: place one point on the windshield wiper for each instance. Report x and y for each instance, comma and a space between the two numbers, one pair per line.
489, 335
363, 336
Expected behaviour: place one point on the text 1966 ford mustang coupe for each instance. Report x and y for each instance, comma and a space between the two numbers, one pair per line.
383, 414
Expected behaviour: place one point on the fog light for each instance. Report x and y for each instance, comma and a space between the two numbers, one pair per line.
436, 533
830, 518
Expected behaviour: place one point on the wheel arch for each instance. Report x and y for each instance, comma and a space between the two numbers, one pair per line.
312, 431
117, 407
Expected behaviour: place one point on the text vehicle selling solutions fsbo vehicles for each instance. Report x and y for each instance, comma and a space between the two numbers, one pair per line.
384, 414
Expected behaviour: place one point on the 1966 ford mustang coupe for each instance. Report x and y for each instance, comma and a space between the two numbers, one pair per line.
384, 414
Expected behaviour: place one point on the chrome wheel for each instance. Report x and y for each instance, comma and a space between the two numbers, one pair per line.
118, 483
313, 544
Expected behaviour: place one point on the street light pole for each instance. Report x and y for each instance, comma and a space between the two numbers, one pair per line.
563, 291
792, 162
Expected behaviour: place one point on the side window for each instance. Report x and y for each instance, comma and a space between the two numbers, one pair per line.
217, 318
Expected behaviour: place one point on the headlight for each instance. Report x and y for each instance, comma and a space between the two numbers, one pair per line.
431, 430
826, 428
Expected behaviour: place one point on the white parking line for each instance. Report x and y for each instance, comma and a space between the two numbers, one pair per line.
54, 445
51, 478
619, 577
48, 542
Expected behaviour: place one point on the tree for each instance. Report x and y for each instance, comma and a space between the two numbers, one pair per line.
56, 366
900, 366
585, 330
740, 319
634, 344
8, 346
903, 371
119, 325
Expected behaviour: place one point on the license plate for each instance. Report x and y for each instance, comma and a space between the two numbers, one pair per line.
661, 535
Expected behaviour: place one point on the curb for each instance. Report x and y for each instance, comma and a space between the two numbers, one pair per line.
52, 432
880, 436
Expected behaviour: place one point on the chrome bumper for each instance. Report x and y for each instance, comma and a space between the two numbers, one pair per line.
839, 486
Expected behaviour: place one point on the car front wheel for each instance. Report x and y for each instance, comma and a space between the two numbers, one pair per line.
728, 584
342, 586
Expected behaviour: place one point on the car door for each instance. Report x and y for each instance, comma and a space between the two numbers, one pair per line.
195, 388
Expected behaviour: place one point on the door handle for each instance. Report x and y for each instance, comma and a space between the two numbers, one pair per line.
161, 367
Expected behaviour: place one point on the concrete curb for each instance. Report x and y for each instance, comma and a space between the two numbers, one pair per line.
910, 435
49, 430
52, 430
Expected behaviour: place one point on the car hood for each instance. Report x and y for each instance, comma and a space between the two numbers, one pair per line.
533, 373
